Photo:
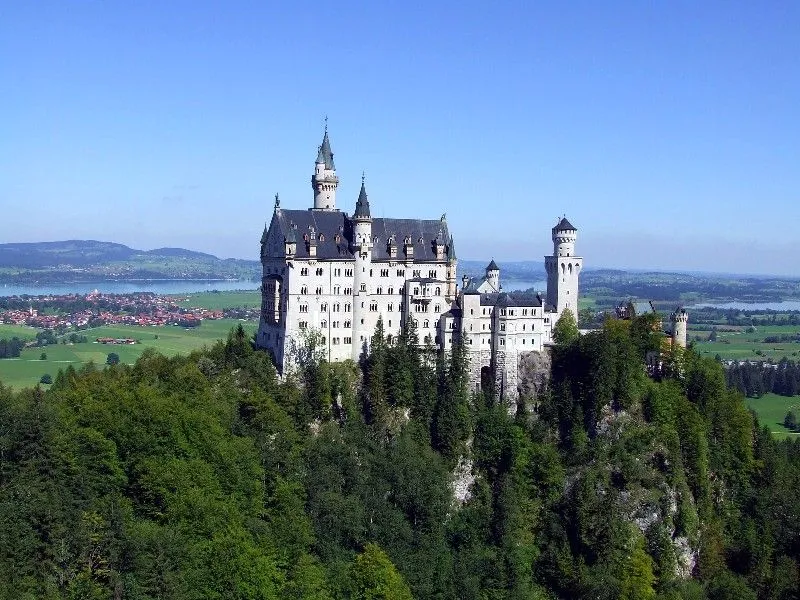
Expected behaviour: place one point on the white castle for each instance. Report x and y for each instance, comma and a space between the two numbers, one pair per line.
326, 271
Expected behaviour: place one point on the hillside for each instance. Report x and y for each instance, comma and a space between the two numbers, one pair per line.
90, 260
205, 476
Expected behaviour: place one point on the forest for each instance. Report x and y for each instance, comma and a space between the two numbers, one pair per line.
207, 476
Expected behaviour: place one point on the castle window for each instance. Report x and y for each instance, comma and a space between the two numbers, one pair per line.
416, 291
484, 327
319, 291
348, 272
390, 308
432, 273
304, 271
304, 308
324, 325
384, 272
347, 307
335, 325
380, 290
319, 272
401, 272
373, 307
321, 237
302, 324
502, 342
336, 290
523, 327
348, 291
436, 308
337, 307
324, 307
337, 272
472, 311
348, 340
304, 290
370, 272
348, 324
438, 291
390, 335
337, 238
363, 287
415, 272
335, 341
502, 326
391, 291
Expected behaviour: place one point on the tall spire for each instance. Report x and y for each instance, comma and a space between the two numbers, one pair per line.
324, 181
362, 205
325, 154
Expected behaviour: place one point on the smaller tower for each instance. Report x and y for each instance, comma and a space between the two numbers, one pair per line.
493, 275
452, 264
324, 180
563, 268
362, 249
680, 320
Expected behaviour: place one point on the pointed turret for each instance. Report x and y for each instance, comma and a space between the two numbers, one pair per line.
451, 249
325, 154
324, 180
264, 235
362, 204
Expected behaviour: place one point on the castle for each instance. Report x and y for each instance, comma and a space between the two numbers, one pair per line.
329, 272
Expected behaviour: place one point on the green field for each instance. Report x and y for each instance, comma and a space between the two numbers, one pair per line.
771, 410
741, 344
23, 332
28, 369
236, 299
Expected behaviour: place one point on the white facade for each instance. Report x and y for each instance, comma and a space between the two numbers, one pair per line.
327, 272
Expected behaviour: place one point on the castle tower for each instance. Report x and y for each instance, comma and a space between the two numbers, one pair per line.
493, 275
362, 249
452, 263
324, 180
563, 268
680, 320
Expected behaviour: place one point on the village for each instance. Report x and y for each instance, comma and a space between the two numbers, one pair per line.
83, 311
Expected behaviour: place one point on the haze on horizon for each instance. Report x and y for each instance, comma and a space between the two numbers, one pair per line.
667, 133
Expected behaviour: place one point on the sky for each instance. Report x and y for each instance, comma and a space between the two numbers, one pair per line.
667, 132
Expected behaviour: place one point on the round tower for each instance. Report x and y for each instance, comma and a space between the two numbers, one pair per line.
680, 321
324, 180
493, 275
563, 268
362, 249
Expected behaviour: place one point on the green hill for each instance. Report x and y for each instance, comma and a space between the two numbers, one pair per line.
90, 260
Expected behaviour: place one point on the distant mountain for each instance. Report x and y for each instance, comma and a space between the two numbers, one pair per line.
91, 260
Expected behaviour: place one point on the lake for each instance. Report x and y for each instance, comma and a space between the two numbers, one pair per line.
779, 306
129, 287
181, 287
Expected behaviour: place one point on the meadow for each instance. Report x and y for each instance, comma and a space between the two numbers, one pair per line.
215, 299
771, 410
744, 343
28, 369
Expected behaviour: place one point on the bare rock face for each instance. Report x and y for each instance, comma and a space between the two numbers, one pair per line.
534, 374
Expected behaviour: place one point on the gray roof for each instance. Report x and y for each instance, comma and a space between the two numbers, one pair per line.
362, 204
325, 154
334, 231
492, 266
264, 235
506, 299
564, 225
451, 249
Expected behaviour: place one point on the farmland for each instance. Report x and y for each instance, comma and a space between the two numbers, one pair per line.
747, 343
170, 340
771, 410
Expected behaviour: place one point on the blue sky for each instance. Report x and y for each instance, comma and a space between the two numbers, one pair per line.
668, 132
